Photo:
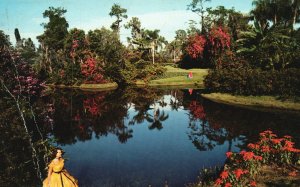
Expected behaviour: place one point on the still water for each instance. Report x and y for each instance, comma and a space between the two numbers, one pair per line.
142, 137
152, 137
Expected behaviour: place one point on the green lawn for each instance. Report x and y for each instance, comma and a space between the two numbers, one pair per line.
178, 77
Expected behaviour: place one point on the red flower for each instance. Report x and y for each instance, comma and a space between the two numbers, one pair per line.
289, 144
253, 146
268, 132
252, 183
258, 157
228, 154
293, 173
276, 141
218, 181
228, 184
247, 155
224, 175
287, 137
262, 134
265, 148
238, 173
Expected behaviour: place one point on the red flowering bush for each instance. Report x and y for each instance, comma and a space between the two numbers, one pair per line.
219, 39
242, 168
196, 44
275, 150
92, 71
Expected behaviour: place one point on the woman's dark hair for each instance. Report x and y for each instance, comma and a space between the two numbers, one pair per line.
54, 151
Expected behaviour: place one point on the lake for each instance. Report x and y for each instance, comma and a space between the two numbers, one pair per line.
151, 137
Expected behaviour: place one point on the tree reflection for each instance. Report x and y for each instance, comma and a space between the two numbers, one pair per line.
175, 102
204, 134
79, 115
158, 118
214, 124
249, 123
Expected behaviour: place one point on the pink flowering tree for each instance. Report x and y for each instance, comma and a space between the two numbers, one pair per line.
219, 41
196, 45
210, 47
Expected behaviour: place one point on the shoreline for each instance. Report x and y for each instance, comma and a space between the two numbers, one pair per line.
259, 103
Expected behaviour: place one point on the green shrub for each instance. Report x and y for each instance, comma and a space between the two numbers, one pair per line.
248, 81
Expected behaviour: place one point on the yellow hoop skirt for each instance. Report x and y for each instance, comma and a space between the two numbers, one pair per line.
59, 176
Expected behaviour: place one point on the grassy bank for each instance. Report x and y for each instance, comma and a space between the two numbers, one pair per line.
106, 86
173, 77
179, 77
255, 102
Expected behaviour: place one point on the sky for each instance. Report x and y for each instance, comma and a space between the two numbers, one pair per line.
165, 15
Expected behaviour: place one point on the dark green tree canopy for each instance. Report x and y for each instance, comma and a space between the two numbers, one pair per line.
105, 44
4, 40
119, 13
55, 30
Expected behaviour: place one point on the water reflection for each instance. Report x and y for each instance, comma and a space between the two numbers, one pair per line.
141, 137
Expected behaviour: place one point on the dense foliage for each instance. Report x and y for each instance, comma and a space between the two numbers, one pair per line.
248, 81
270, 48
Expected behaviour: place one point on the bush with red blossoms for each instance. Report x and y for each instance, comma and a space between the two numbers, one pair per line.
196, 45
275, 150
92, 71
242, 168
18, 76
219, 39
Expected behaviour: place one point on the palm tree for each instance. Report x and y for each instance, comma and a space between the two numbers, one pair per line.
157, 119
260, 12
269, 47
296, 11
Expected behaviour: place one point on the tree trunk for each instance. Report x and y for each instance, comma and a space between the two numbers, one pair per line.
174, 55
48, 60
153, 52
295, 6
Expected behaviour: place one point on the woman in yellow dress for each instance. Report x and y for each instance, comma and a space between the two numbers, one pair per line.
57, 175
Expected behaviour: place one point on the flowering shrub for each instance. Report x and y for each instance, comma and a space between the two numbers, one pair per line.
196, 44
18, 76
92, 72
275, 150
242, 168
219, 39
